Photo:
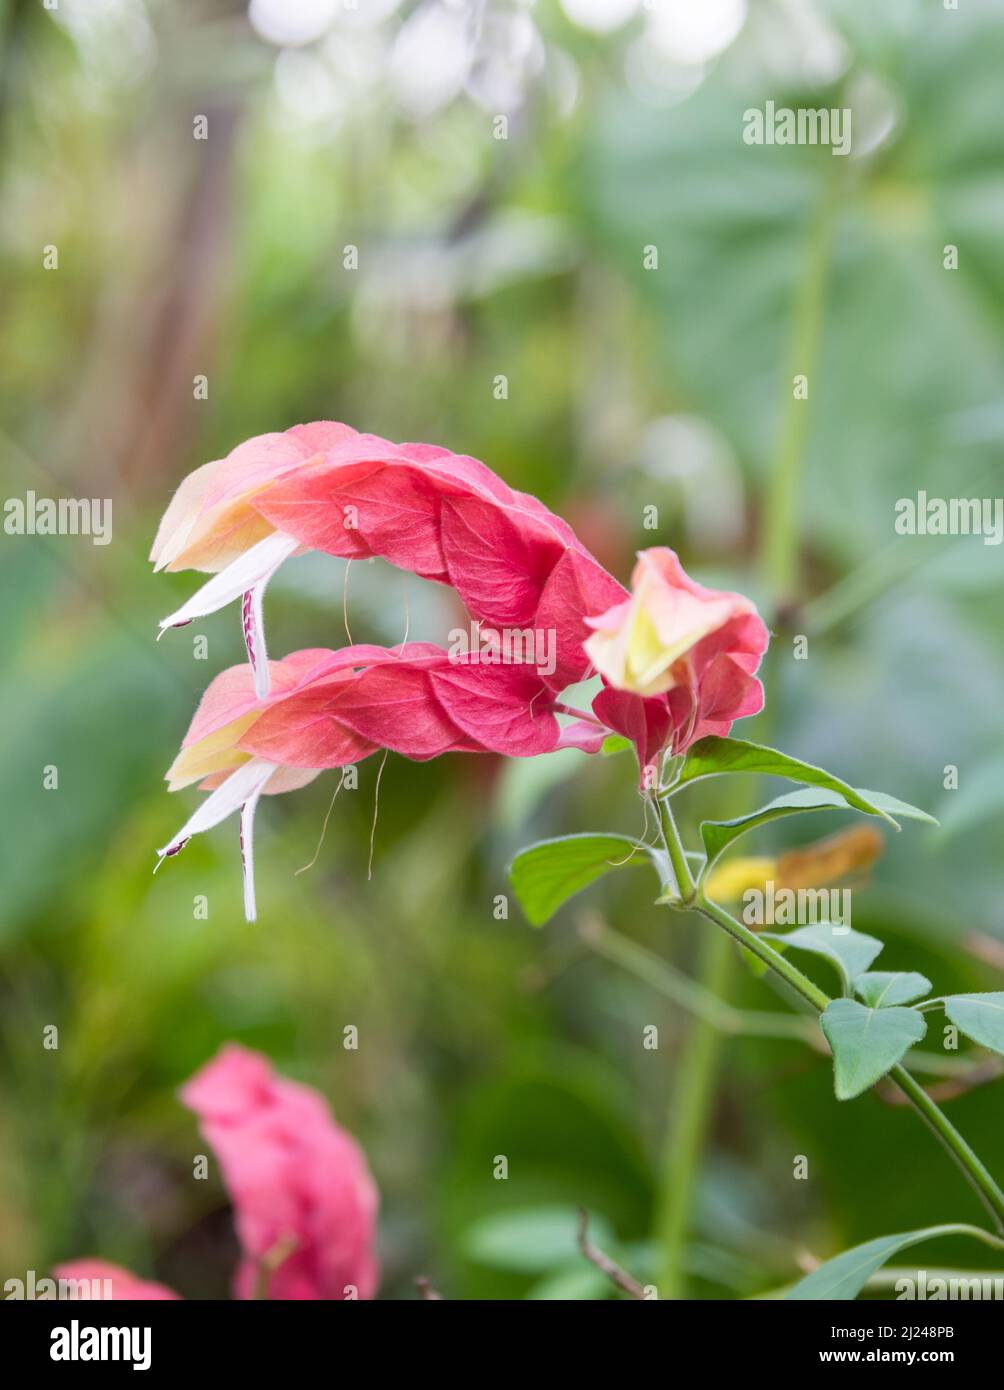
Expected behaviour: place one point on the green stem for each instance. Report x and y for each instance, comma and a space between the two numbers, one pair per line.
693, 1097
692, 995
780, 536
693, 1092
765, 953
968, 1162
964, 1155
696, 997
889, 1277
685, 884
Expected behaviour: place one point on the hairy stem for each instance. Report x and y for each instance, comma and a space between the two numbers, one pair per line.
685, 884
765, 953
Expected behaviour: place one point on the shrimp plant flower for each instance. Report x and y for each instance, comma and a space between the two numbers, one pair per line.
676, 662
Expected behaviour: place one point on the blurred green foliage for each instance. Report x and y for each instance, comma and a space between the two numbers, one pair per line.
627, 387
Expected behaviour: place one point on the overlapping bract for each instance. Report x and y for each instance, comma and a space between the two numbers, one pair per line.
678, 660
442, 516
329, 708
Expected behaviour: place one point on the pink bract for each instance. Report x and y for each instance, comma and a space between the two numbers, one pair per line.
678, 660
443, 516
327, 709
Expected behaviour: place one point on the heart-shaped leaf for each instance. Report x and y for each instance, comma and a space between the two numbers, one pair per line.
881, 989
850, 951
979, 1016
718, 835
866, 1043
847, 1273
547, 874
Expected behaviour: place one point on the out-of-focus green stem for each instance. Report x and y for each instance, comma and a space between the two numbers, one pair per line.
693, 1096
779, 545
695, 997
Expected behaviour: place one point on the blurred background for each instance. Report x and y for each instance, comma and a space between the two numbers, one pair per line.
398, 203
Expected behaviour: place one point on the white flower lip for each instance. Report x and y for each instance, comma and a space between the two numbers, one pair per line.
240, 792
248, 575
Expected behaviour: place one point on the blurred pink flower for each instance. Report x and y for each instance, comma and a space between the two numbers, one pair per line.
296, 1179
124, 1286
304, 1201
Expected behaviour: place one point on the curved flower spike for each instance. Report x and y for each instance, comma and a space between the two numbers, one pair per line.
678, 660
327, 709
443, 516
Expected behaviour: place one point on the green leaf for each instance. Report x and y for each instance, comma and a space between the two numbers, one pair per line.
712, 756
846, 1274
979, 1016
532, 1239
718, 835
615, 743
880, 989
850, 951
550, 872
866, 1043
